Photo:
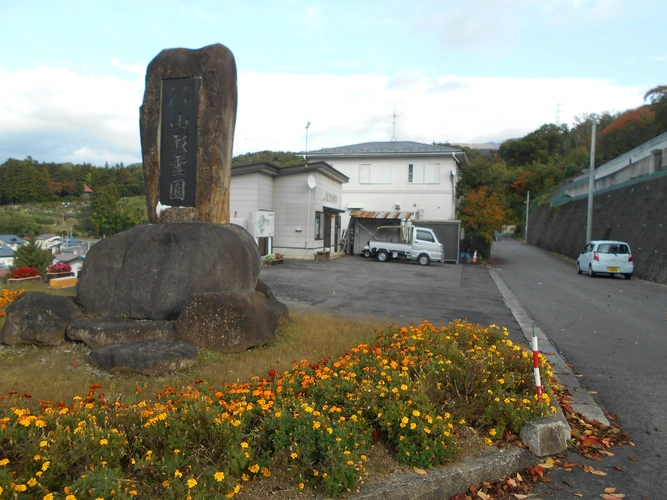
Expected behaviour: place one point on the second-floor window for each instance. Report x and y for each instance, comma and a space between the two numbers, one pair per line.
423, 173
375, 173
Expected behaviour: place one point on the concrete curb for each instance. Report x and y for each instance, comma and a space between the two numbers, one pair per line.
450, 480
582, 402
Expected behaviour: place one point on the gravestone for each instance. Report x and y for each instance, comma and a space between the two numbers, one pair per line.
187, 130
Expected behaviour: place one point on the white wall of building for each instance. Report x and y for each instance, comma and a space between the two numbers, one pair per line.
433, 200
250, 192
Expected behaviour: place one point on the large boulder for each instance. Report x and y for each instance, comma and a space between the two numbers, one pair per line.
279, 311
150, 357
149, 271
98, 332
38, 318
226, 321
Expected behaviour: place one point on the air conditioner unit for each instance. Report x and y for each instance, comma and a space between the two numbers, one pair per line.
397, 206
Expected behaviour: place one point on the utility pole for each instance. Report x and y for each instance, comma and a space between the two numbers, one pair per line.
307, 127
591, 185
525, 231
393, 131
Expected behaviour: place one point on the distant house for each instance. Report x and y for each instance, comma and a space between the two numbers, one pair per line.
12, 241
51, 242
87, 192
73, 259
6, 256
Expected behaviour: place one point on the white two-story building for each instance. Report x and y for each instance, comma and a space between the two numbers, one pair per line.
397, 176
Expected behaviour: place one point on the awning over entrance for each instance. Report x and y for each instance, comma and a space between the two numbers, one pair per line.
365, 214
330, 210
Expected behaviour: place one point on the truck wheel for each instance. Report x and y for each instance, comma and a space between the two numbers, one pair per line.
382, 256
367, 253
423, 260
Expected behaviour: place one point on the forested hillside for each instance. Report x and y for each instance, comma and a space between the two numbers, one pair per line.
540, 161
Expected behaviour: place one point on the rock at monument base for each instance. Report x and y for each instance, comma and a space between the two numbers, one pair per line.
149, 271
226, 321
149, 357
99, 332
38, 318
279, 311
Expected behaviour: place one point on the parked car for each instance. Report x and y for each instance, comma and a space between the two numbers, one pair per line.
606, 257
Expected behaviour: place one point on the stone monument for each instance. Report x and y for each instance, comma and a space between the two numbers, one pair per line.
148, 296
187, 130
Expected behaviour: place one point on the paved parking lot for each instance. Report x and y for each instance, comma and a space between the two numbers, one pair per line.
401, 292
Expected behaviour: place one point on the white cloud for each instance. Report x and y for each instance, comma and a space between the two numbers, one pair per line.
59, 115
139, 69
657, 58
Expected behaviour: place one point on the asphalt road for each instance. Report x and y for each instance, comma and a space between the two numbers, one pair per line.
614, 333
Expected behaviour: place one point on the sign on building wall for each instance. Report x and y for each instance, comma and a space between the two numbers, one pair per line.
263, 224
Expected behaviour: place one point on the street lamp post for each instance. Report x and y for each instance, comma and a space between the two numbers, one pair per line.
307, 127
591, 184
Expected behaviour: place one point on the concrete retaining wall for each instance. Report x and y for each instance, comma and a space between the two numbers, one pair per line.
636, 214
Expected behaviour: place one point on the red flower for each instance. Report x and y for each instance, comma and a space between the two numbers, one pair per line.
272, 373
24, 272
60, 267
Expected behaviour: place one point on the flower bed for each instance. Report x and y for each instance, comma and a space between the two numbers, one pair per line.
413, 387
7, 297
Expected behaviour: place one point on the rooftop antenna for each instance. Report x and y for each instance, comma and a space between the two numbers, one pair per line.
393, 132
307, 127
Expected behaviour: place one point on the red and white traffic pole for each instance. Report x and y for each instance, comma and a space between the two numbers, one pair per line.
536, 365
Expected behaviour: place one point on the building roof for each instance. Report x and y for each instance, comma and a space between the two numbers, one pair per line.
45, 236
12, 239
86, 189
6, 251
365, 214
387, 148
269, 169
68, 257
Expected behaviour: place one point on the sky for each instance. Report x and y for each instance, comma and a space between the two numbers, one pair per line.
72, 72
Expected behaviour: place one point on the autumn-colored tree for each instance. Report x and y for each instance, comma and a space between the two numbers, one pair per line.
481, 211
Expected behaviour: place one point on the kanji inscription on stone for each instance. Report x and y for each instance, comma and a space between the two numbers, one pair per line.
178, 141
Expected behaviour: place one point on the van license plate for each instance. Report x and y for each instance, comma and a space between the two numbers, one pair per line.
612, 269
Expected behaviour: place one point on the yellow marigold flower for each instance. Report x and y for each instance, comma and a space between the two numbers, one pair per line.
48, 496
266, 472
416, 413
104, 442
178, 473
46, 465
244, 445
404, 387
316, 425
404, 420
219, 476
329, 430
413, 426
70, 497
497, 400
43, 444
20, 487
501, 381
301, 486
4, 462
492, 432
254, 468
245, 477
487, 441
192, 483
462, 421
133, 493
350, 463
294, 455
32, 482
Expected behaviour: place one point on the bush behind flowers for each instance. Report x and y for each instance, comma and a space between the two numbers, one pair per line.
414, 387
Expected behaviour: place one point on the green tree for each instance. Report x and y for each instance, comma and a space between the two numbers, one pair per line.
31, 255
106, 218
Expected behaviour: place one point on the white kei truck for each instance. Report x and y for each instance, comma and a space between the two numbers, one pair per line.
405, 243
